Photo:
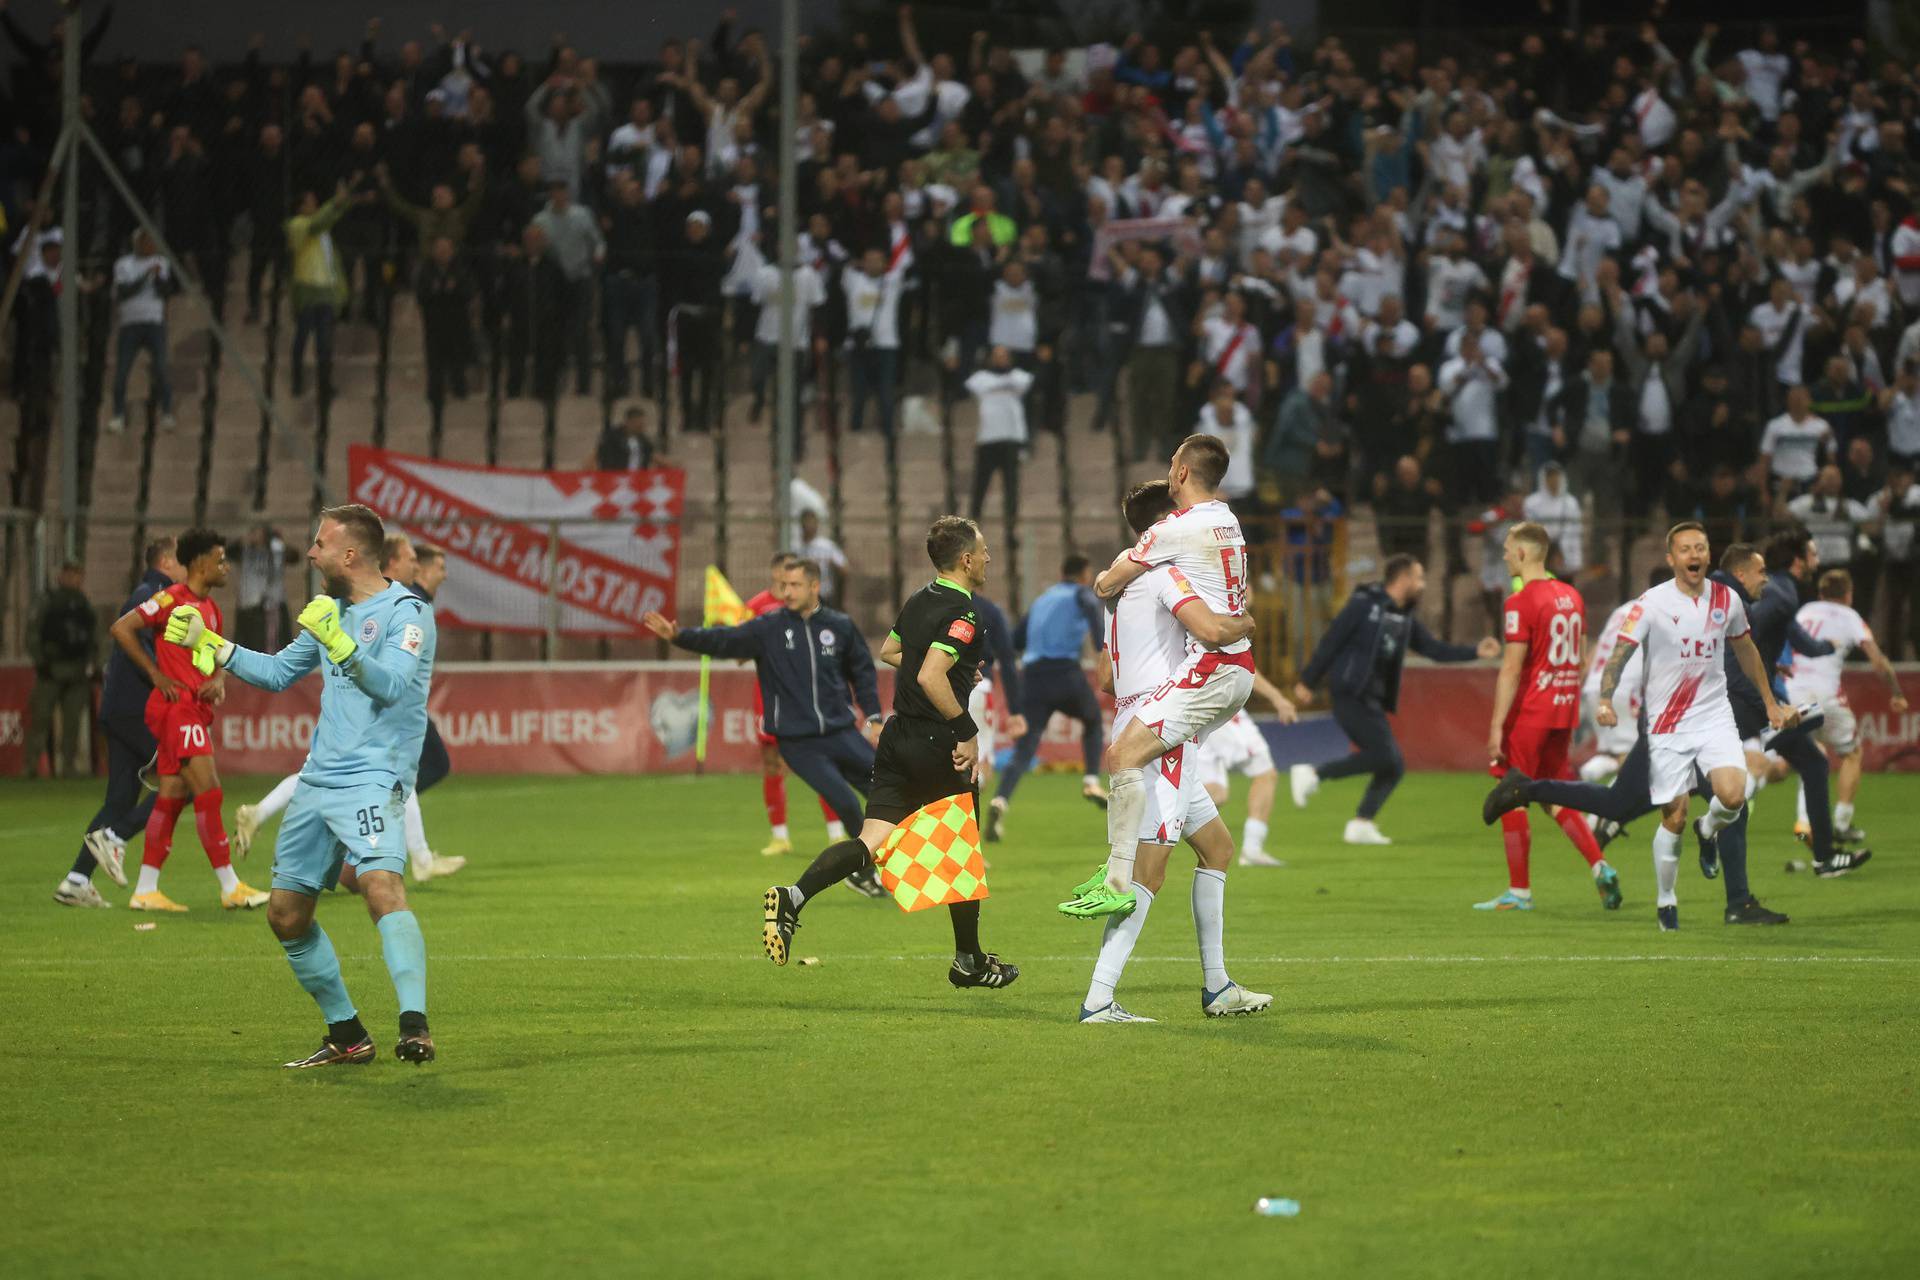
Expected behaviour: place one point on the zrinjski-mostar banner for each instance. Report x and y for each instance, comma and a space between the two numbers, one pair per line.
618, 551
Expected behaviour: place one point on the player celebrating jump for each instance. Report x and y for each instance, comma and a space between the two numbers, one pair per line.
1148, 630
180, 718
1817, 681
1202, 538
378, 653
1684, 625
1536, 702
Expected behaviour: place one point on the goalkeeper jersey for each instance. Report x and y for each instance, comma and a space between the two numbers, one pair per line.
373, 709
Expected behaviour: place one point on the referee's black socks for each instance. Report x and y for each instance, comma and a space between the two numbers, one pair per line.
966, 929
835, 863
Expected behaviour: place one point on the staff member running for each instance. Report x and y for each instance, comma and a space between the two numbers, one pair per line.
928, 751
1360, 657
1058, 625
807, 657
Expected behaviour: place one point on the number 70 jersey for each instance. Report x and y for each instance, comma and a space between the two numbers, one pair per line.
1205, 543
1548, 617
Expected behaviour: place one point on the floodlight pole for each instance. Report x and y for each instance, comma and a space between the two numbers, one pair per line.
786, 397
69, 301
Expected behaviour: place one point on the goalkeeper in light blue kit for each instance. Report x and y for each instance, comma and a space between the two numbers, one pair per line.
376, 640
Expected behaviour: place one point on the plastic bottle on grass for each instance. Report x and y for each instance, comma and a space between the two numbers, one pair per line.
1276, 1207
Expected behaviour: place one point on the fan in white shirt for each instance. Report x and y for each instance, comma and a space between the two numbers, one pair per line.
1793, 443
1231, 346
1452, 278
1782, 323
1227, 417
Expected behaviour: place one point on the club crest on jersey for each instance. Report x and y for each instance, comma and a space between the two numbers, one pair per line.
826, 641
1719, 617
369, 630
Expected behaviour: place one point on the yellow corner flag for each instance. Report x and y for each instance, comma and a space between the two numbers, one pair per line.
724, 607
932, 859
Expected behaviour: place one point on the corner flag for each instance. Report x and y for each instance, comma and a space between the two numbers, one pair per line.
723, 609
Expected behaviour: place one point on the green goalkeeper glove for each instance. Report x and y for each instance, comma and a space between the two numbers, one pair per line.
321, 620
186, 628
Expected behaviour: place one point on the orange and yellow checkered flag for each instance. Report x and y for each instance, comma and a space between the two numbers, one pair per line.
723, 604
933, 858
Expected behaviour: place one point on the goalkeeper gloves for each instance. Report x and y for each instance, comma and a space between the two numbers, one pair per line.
186, 628
321, 620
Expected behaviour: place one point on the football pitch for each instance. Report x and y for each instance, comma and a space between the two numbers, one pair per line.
627, 1087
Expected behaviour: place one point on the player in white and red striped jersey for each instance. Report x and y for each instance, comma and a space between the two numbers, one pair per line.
1611, 744
1684, 627
1202, 538
1157, 619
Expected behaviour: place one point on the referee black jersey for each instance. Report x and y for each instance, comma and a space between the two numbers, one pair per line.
941, 615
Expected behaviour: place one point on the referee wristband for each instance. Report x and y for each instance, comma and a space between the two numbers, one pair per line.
963, 727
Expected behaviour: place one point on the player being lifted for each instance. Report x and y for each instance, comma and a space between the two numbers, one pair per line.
1817, 681
1683, 626
1147, 641
1202, 538
928, 750
180, 718
376, 640
1536, 702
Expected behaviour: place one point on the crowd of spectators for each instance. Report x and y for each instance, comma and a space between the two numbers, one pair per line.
1623, 271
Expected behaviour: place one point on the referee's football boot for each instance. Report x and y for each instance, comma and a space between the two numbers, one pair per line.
1508, 794
330, 1054
866, 883
416, 1044
981, 971
1669, 918
1751, 912
1842, 862
1709, 848
782, 918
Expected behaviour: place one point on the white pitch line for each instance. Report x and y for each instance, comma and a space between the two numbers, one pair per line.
635, 957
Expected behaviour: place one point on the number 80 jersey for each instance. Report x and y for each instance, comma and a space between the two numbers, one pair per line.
1548, 617
1205, 543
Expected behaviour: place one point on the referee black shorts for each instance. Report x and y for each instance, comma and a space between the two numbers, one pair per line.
913, 767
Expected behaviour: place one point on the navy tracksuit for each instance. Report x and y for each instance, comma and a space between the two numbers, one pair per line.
806, 667
1054, 631
123, 723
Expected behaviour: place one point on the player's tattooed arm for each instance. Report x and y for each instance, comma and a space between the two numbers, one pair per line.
1616, 663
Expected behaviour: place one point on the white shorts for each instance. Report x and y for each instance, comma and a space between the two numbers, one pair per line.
1617, 740
1672, 759
1841, 729
1177, 801
979, 706
1204, 694
1237, 746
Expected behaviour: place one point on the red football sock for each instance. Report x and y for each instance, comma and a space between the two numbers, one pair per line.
1519, 841
773, 790
1575, 825
213, 833
166, 812
826, 810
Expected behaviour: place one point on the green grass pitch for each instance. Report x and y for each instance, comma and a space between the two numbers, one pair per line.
626, 1087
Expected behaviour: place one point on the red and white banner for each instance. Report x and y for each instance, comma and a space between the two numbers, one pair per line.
1183, 232
613, 538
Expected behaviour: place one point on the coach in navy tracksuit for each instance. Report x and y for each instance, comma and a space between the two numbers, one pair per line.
1056, 629
1360, 657
813, 665
123, 725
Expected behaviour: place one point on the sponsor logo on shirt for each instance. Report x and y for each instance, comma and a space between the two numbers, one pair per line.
961, 630
155, 603
1628, 623
411, 638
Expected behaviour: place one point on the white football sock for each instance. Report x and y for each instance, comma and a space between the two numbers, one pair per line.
1086, 780
149, 881
1209, 923
1598, 767
1719, 817
836, 831
1800, 813
416, 827
1525, 895
229, 881
779, 831
1116, 946
276, 800
1754, 783
1126, 804
1253, 837
1843, 815
1666, 865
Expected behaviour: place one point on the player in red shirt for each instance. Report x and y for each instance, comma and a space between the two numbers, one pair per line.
1536, 705
773, 773
180, 717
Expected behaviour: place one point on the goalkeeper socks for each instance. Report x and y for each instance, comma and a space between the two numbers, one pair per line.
318, 970
1719, 817
166, 812
966, 929
1666, 866
1116, 947
1253, 837
1517, 835
773, 794
277, 800
415, 827
1126, 804
1575, 825
1209, 923
835, 863
405, 951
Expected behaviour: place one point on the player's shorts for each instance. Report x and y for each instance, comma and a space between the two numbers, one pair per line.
1204, 694
1237, 746
1841, 729
1673, 758
183, 730
1177, 799
980, 707
1536, 752
1618, 738
760, 718
912, 767
327, 827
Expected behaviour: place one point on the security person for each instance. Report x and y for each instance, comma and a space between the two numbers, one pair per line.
62, 638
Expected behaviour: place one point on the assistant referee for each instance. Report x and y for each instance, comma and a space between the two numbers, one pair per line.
928, 751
